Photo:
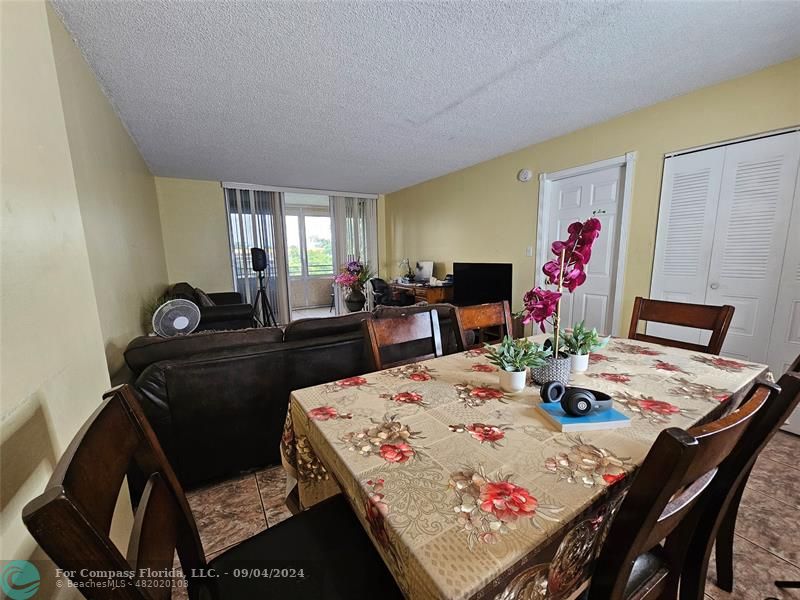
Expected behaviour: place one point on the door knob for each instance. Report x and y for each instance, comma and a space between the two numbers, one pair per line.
714, 286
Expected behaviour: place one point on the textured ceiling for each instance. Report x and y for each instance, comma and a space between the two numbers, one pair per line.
375, 96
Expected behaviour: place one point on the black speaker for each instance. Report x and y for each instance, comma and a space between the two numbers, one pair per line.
259, 257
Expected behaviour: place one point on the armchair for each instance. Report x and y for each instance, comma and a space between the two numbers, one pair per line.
382, 294
219, 310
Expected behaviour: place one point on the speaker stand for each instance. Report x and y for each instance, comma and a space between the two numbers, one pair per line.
261, 305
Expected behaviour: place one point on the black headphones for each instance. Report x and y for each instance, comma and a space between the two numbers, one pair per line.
575, 401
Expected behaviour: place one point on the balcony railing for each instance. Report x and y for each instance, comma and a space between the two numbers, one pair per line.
314, 270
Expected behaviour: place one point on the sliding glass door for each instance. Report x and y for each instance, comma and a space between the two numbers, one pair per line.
307, 238
255, 221
356, 236
309, 251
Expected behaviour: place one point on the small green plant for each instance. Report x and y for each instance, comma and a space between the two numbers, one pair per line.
149, 309
515, 355
581, 340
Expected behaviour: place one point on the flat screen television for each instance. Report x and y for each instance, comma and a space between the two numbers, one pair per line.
477, 283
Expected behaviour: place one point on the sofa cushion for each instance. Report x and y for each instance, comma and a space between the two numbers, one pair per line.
146, 350
182, 290
203, 299
304, 329
222, 412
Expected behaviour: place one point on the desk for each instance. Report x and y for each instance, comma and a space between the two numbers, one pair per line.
429, 294
419, 449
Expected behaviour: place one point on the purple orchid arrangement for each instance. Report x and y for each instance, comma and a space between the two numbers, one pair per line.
566, 271
354, 275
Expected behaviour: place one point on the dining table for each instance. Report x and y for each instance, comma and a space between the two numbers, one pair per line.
466, 490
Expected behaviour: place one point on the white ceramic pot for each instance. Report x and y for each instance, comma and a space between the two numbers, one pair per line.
579, 362
513, 381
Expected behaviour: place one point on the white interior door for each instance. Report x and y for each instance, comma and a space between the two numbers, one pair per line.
686, 222
750, 238
784, 344
576, 199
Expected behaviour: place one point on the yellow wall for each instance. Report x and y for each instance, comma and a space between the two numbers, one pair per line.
118, 203
385, 269
483, 213
53, 368
52, 365
195, 231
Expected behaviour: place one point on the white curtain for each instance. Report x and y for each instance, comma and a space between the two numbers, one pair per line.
255, 220
355, 234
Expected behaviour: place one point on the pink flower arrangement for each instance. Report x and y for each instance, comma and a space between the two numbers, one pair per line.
353, 275
346, 279
566, 271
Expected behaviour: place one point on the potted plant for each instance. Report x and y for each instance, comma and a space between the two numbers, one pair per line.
514, 357
353, 277
150, 309
408, 272
579, 343
566, 272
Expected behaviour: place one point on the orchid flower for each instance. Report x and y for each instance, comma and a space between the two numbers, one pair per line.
568, 273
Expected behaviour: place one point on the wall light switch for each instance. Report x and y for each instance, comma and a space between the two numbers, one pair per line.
529, 251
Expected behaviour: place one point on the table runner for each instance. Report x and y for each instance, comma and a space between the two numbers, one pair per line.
462, 486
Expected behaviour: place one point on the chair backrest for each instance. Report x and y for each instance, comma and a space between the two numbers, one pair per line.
673, 478
71, 519
380, 291
726, 490
480, 317
716, 319
379, 286
382, 334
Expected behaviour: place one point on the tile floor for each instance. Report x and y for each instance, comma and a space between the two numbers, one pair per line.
234, 510
306, 313
767, 546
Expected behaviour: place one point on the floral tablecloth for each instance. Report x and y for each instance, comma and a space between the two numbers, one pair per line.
462, 487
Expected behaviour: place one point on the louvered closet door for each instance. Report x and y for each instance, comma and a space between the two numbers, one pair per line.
755, 206
686, 220
785, 340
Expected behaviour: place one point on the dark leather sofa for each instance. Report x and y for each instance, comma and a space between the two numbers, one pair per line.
217, 400
218, 310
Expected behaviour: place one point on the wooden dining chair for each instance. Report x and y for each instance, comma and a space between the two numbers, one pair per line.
718, 520
71, 520
673, 479
716, 319
480, 317
394, 341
